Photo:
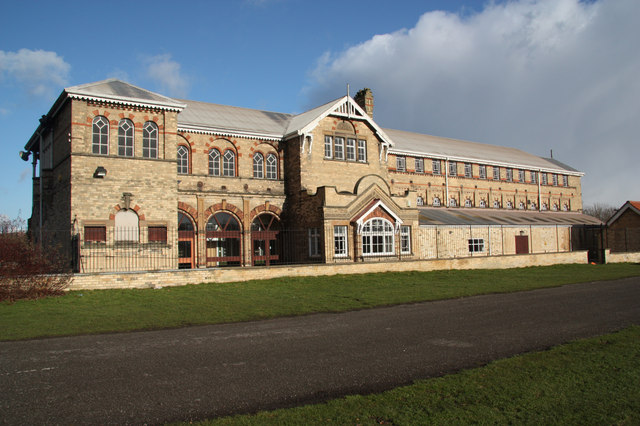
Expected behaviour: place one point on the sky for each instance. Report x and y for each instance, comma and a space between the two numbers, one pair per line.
538, 75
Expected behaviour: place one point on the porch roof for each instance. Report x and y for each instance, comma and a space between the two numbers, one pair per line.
472, 216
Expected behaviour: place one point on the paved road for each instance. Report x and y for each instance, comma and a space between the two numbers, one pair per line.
199, 372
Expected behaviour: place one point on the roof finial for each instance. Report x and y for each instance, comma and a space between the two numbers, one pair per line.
347, 90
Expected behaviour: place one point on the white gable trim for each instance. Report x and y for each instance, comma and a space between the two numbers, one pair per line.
123, 101
622, 209
379, 203
346, 107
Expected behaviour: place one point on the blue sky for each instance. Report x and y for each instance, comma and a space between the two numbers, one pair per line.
536, 75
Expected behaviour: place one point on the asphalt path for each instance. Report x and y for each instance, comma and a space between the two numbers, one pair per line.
208, 371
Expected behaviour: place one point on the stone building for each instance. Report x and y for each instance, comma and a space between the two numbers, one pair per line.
123, 174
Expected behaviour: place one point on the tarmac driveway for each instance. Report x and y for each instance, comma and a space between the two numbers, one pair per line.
207, 371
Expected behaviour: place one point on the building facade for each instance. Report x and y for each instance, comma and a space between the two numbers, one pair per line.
123, 173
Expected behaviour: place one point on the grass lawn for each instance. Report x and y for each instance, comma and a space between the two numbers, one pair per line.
588, 382
99, 311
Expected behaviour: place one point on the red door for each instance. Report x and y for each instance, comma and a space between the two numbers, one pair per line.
522, 244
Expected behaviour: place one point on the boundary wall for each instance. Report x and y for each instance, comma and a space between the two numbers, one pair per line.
621, 257
172, 278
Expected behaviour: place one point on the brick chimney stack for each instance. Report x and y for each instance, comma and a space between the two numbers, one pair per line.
364, 98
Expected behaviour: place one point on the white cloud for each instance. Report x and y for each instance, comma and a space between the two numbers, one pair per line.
39, 72
168, 74
536, 75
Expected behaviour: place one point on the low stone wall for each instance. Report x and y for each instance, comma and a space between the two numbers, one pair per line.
632, 257
222, 275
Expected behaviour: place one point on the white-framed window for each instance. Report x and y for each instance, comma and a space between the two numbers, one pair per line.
554, 207
453, 202
509, 204
272, 167
328, 146
183, 160
521, 205
482, 204
419, 165
377, 237
150, 140
565, 180
258, 165
509, 174
496, 173
467, 203
340, 241
338, 148
401, 165
314, 242
496, 204
482, 171
405, 239
351, 149
420, 201
476, 245
229, 163
362, 150
533, 206
214, 162
544, 207
453, 168
436, 167
565, 207
521, 175
100, 143
125, 138
436, 202
467, 170
543, 179
554, 179
534, 177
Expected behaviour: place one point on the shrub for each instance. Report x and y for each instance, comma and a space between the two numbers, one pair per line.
27, 271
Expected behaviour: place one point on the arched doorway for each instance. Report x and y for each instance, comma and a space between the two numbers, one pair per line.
265, 245
186, 242
224, 238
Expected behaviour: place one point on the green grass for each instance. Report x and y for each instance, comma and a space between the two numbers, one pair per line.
84, 312
588, 382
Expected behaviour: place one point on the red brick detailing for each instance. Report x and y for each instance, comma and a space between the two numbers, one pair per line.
226, 207
96, 112
188, 209
265, 207
121, 115
136, 208
106, 113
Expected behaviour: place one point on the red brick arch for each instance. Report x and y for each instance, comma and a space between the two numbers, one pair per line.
136, 208
224, 207
266, 207
189, 210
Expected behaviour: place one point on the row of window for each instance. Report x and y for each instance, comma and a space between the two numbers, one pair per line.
401, 166
377, 238
126, 130
336, 149
262, 168
496, 204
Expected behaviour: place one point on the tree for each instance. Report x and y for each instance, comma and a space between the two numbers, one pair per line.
601, 211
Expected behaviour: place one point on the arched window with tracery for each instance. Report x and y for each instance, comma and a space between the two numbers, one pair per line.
183, 160
214, 162
258, 165
224, 237
186, 242
272, 167
229, 163
378, 238
150, 140
100, 142
265, 239
125, 138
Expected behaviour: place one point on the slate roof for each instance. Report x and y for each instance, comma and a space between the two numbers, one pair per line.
206, 117
469, 216
459, 150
